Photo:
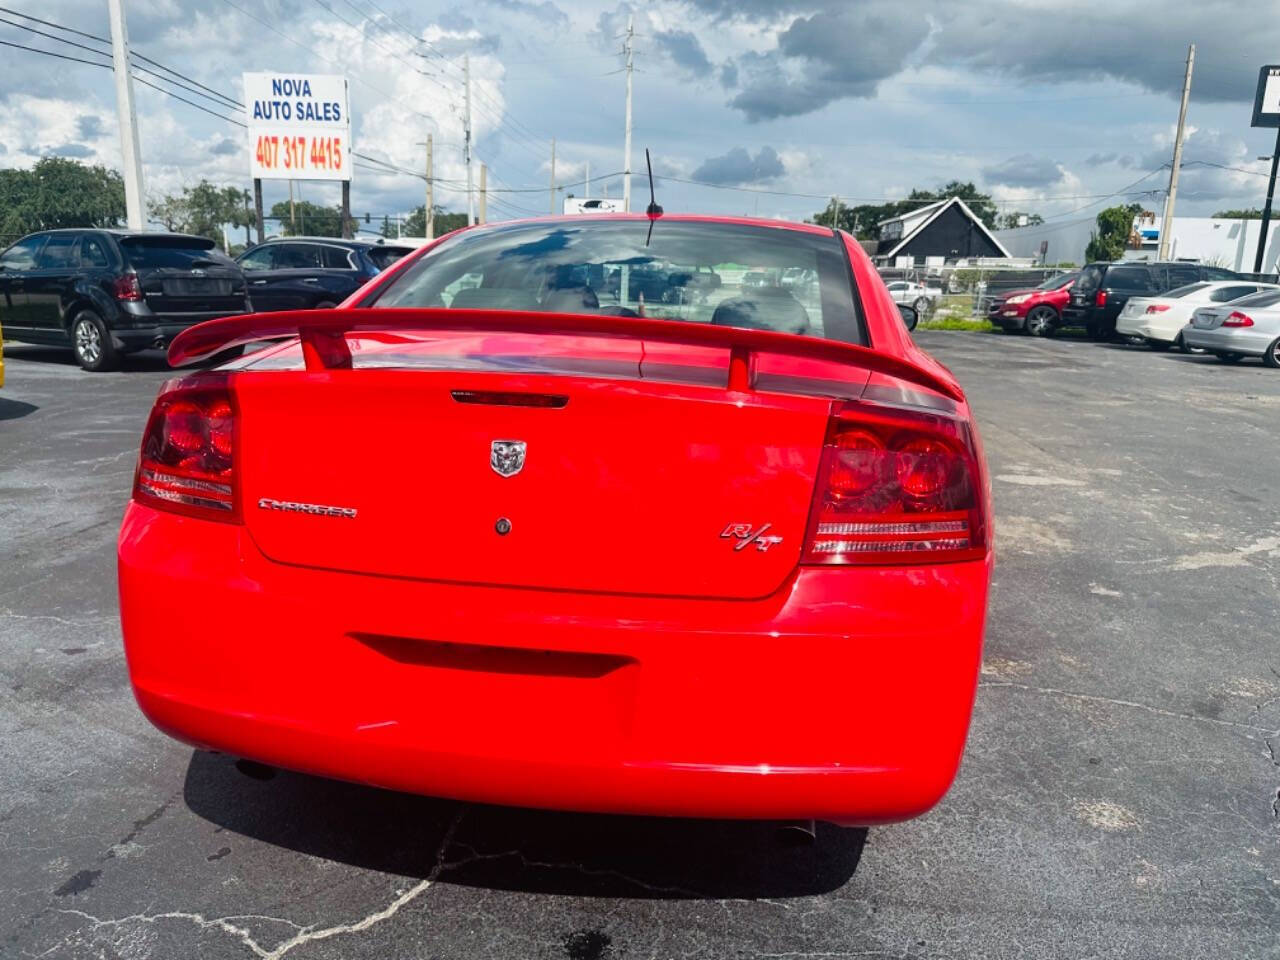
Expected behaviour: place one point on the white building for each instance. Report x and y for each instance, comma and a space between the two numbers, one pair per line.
1230, 243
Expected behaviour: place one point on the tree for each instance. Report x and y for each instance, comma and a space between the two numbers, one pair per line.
864, 220
1115, 224
58, 192
308, 219
1252, 213
202, 210
415, 225
1008, 221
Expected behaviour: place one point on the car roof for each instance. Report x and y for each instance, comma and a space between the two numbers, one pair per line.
339, 241
122, 233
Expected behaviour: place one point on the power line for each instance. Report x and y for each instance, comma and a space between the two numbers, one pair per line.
182, 81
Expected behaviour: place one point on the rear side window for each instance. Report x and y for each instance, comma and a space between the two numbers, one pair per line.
59, 252
1090, 278
178, 253
1224, 294
1130, 278
93, 252
1217, 273
1180, 275
660, 268
335, 258
1184, 291
384, 257
1264, 299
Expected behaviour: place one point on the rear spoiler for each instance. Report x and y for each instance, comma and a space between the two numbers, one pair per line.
324, 347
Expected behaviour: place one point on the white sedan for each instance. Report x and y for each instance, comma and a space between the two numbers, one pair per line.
1159, 320
916, 295
1242, 328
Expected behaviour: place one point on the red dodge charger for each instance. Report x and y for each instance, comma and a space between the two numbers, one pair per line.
562, 513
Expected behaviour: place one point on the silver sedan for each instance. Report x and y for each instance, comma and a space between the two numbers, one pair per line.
1248, 327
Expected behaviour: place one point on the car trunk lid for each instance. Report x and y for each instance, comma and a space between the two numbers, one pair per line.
571, 482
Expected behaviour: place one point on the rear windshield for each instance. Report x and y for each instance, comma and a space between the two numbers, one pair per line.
731, 274
1264, 299
150, 252
384, 257
1090, 277
1057, 283
1183, 291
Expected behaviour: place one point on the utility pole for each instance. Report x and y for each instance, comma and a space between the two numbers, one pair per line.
346, 210
626, 149
429, 210
257, 208
293, 216
247, 241
1266, 210
466, 138
835, 202
1167, 226
131, 152
484, 192
553, 176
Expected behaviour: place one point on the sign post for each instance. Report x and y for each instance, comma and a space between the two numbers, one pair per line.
299, 128
1266, 113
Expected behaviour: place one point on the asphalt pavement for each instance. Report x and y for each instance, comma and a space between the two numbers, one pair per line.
1118, 797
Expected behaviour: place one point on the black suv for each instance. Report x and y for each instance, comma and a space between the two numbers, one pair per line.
1103, 289
111, 292
309, 273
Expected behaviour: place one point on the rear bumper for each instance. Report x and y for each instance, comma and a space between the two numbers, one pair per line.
137, 326
1228, 340
845, 697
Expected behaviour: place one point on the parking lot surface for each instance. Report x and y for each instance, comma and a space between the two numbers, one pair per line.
1119, 797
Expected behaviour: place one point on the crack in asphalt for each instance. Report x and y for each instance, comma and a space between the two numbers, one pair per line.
304, 934
1159, 711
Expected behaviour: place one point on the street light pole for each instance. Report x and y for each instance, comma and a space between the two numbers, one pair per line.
1266, 209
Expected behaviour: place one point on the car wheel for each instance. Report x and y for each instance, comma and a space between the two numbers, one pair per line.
1272, 357
1181, 344
1095, 332
921, 306
92, 343
1040, 321
1230, 357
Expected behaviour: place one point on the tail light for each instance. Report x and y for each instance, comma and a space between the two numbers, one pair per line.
1157, 308
127, 287
1100, 298
896, 487
188, 461
1238, 319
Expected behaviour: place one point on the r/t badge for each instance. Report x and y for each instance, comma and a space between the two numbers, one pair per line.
745, 535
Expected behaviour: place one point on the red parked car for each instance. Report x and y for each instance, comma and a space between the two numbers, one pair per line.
1037, 310
486, 533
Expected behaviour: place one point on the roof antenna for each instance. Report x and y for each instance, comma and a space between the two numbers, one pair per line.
654, 211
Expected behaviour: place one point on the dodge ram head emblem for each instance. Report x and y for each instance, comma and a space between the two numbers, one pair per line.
745, 535
506, 457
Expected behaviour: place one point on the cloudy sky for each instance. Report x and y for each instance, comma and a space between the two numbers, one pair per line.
771, 104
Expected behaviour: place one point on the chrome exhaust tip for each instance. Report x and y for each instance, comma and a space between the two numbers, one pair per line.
797, 833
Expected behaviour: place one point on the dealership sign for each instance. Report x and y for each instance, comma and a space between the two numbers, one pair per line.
299, 126
1266, 102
